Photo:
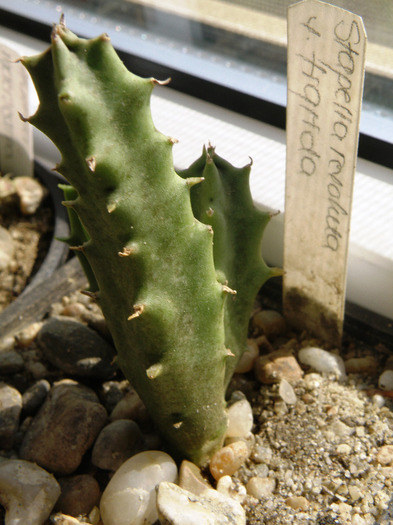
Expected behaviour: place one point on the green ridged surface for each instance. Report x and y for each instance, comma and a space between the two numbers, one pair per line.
153, 261
223, 201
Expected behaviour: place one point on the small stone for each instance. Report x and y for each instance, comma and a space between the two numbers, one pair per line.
35, 395
277, 365
270, 323
30, 192
112, 392
260, 487
37, 370
6, 249
385, 455
95, 516
130, 496
343, 449
64, 428
28, 335
10, 408
359, 520
129, 407
228, 459
340, 429
362, 365
10, 363
378, 400
286, 392
7, 343
297, 502
76, 349
312, 381
240, 419
323, 361
27, 492
177, 506
262, 454
385, 381
247, 360
79, 494
249, 440
63, 519
355, 492
230, 489
116, 442
191, 479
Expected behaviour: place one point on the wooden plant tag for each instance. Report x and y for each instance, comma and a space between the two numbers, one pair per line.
326, 54
16, 139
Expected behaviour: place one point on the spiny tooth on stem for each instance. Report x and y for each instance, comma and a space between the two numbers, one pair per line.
161, 82
80, 248
23, 119
111, 207
68, 204
172, 140
65, 97
226, 289
138, 310
192, 181
154, 370
92, 295
91, 163
126, 252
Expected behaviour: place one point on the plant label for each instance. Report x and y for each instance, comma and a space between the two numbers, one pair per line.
16, 140
326, 54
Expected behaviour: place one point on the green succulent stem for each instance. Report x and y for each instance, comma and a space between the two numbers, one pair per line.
165, 291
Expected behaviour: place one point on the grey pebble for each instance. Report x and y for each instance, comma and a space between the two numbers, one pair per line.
116, 442
64, 428
10, 362
10, 409
27, 492
35, 395
76, 349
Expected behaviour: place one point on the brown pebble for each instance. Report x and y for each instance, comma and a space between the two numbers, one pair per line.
278, 365
297, 502
270, 322
247, 360
79, 494
229, 459
191, 479
362, 365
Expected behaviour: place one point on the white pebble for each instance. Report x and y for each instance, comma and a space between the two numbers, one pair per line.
385, 381
27, 492
261, 487
286, 392
227, 487
240, 419
130, 497
31, 193
323, 361
177, 506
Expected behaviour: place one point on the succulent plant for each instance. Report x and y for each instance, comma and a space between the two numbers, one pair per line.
176, 274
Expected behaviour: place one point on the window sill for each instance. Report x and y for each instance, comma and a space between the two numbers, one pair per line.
195, 122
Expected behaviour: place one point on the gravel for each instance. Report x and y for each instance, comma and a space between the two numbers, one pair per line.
321, 446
